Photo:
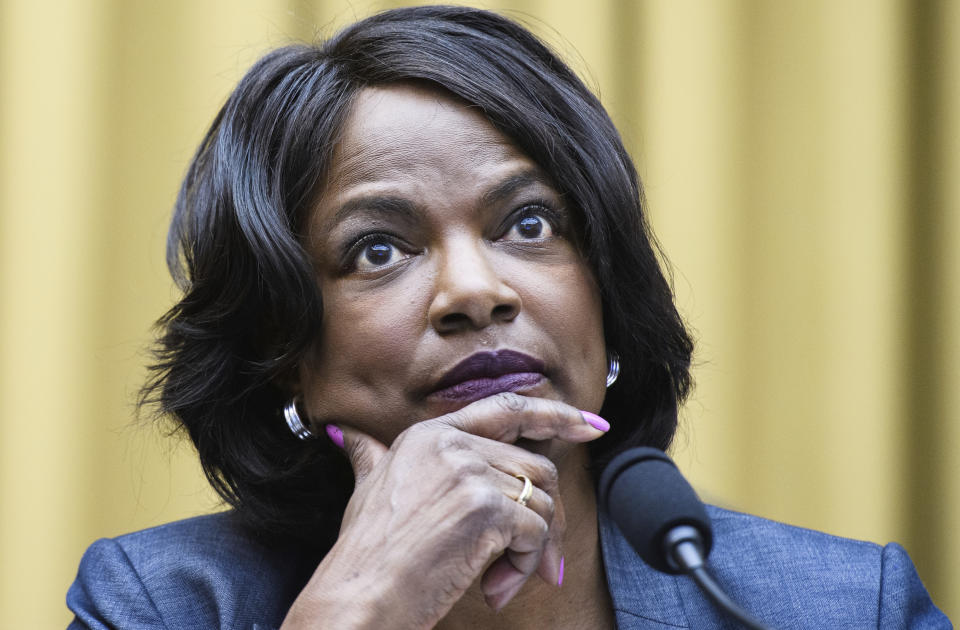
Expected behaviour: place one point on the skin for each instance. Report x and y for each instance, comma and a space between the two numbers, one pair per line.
434, 238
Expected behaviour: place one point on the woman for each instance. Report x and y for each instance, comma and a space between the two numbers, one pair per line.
422, 309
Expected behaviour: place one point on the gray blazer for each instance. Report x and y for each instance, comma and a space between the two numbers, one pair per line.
207, 572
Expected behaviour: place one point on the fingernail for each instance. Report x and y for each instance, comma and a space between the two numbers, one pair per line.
335, 434
595, 421
560, 579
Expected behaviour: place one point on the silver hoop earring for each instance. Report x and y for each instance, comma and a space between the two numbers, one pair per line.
294, 422
614, 371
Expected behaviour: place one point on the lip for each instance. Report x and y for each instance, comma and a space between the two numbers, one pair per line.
487, 373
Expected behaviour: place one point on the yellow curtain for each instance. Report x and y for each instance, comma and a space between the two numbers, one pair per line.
801, 160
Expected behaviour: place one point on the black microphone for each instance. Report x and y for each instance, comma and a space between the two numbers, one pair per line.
662, 518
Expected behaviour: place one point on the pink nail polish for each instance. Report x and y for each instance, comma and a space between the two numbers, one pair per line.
595, 421
560, 578
335, 434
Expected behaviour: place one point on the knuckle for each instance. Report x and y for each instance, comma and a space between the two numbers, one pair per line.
548, 476
488, 544
463, 417
418, 431
403, 439
460, 467
450, 441
480, 500
360, 457
542, 530
549, 506
510, 402
429, 437
411, 437
351, 448
560, 414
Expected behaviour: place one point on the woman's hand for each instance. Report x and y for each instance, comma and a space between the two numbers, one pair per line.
438, 509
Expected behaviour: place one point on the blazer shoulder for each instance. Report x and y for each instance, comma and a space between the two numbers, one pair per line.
739, 532
201, 539
202, 572
782, 568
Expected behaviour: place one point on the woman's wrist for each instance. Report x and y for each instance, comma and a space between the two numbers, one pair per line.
342, 595
329, 604
329, 611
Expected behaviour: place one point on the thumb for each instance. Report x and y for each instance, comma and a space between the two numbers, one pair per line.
362, 450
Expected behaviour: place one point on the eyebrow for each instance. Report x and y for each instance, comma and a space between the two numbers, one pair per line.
377, 204
513, 184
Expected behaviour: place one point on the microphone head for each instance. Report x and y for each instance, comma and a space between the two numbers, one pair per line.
646, 496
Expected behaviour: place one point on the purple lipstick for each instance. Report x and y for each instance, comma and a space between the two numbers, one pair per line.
487, 373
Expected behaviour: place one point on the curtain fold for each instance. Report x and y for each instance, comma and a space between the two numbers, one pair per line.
800, 160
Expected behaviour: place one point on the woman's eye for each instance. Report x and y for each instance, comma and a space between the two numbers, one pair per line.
529, 227
378, 253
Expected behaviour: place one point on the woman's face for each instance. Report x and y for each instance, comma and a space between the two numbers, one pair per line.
448, 271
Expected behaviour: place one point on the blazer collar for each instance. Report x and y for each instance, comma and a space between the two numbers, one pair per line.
643, 599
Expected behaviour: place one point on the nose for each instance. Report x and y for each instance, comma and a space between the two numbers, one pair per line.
470, 292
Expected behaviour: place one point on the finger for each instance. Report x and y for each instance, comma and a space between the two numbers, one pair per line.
501, 582
362, 450
549, 506
539, 501
504, 577
507, 417
545, 501
551, 563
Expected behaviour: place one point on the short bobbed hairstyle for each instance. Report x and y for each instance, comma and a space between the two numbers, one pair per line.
251, 307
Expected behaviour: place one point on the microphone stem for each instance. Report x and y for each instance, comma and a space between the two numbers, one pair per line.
686, 552
715, 593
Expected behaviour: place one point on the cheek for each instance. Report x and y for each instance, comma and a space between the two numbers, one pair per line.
577, 300
364, 329
573, 297
568, 305
357, 365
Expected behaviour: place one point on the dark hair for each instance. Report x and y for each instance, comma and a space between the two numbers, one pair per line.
251, 307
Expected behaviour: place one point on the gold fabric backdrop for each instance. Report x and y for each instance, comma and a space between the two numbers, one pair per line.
801, 161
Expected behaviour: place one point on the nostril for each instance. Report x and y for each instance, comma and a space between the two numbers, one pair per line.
455, 321
504, 311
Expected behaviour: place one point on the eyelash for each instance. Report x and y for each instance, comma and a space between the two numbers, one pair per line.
537, 208
351, 256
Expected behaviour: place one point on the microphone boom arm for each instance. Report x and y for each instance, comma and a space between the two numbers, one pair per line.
662, 518
683, 547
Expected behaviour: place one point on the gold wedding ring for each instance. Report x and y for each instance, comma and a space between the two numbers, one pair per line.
527, 491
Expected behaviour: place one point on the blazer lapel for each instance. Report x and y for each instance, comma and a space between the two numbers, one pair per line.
643, 599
